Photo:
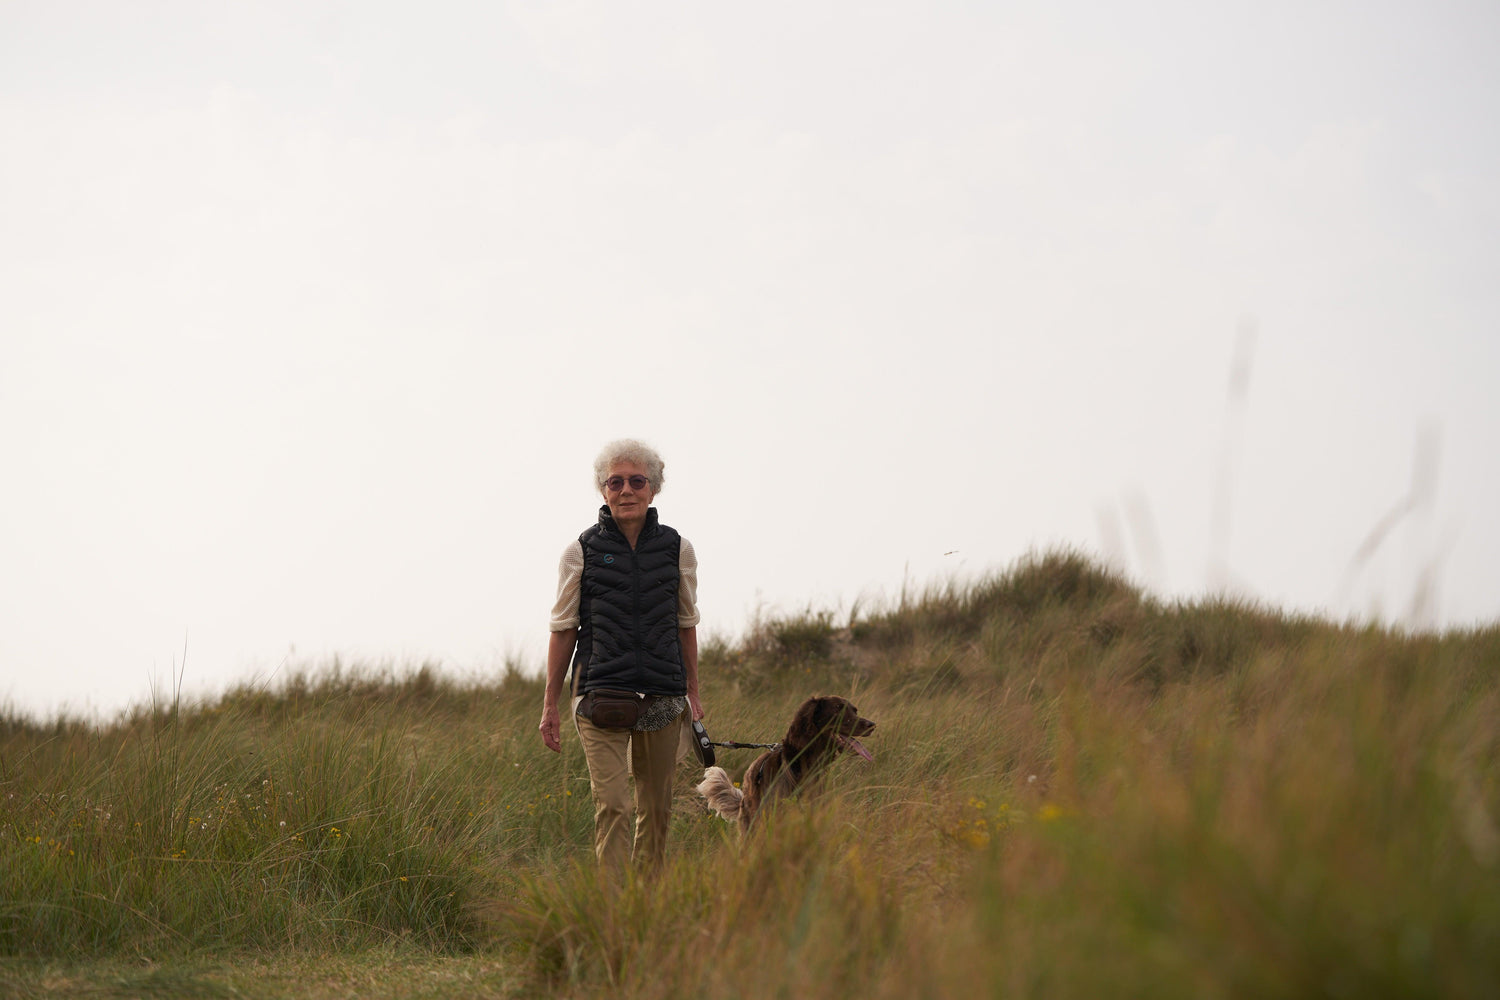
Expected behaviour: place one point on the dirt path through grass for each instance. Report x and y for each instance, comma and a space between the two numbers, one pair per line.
368, 976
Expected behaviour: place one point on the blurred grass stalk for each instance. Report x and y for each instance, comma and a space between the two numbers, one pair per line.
1078, 791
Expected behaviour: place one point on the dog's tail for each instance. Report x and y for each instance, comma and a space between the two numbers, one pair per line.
723, 798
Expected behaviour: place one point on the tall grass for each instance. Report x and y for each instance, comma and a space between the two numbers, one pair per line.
1078, 790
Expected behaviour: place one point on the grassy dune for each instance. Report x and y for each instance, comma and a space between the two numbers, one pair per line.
1077, 791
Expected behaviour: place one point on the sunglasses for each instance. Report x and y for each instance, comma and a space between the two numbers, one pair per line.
617, 483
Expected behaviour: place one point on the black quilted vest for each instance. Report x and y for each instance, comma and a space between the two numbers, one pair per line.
627, 630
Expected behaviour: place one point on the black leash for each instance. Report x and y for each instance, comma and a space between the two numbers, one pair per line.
704, 747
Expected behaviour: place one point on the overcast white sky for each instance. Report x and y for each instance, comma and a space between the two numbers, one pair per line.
314, 315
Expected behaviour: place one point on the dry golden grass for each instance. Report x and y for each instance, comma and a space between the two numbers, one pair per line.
1077, 791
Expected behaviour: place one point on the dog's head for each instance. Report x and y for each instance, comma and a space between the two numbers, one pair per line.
831, 719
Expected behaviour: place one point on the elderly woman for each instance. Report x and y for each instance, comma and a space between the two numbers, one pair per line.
626, 619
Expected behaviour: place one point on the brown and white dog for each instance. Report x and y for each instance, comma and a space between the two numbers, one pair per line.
823, 727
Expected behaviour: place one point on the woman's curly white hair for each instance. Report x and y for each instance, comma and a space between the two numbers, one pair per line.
630, 450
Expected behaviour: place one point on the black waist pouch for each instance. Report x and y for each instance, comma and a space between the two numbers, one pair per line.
611, 709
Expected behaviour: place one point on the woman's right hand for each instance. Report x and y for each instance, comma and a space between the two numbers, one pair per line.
551, 728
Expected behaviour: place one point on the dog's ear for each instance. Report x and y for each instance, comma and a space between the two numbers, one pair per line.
811, 718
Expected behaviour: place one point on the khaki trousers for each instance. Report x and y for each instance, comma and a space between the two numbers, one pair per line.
652, 761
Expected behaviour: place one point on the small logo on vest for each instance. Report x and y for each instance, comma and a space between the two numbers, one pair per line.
608, 560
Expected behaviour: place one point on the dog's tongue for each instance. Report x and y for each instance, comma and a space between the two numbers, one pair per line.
850, 743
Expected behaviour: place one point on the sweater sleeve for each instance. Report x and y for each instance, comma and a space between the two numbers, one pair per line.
687, 585
569, 588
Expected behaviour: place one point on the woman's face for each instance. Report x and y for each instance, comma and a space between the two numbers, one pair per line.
628, 504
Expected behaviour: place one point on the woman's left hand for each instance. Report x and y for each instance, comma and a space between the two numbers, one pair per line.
695, 705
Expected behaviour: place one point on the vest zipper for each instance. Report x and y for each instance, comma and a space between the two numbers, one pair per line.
635, 589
